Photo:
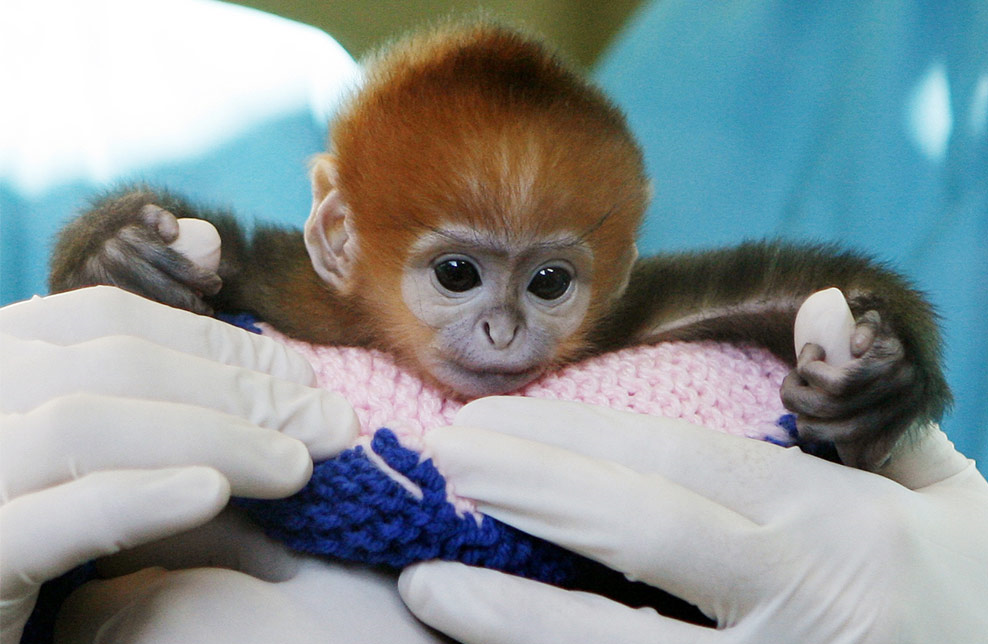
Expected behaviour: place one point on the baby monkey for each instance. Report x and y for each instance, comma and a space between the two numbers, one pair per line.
476, 217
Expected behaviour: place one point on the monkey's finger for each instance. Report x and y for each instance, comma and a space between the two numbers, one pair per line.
805, 399
161, 220
143, 253
182, 269
817, 372
132, 368
832, 380
825, 392
75, 435
865, 332
102, 311
841, 429
864, 441
870, 455
48, 532
795, 393
160, 287
481, 606
828, 392
811, 352
874, 375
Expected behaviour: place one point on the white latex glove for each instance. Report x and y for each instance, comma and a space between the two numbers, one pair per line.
773, 544
322, 603
124, 421
271, 596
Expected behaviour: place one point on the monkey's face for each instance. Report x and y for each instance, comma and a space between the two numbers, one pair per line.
492, 188
495, 314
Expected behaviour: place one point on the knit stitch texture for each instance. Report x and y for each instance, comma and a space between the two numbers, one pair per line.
384, 502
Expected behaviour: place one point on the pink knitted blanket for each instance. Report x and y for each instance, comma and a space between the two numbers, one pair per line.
729, 388
384, 502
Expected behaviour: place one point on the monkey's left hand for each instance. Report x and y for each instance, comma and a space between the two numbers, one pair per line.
864, 402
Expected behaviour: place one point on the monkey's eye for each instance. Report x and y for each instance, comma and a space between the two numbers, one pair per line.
550, 283
457, 275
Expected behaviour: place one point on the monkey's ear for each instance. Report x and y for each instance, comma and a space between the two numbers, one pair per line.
628, 261
329, 237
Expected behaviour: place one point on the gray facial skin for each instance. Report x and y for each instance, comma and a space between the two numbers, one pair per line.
500, 308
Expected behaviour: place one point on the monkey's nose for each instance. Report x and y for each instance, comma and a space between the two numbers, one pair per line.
500, 333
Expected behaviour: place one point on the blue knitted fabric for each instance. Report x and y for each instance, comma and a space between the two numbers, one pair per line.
352, 510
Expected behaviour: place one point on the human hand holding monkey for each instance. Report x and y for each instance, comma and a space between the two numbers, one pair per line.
149, 443
476, 219
771, 544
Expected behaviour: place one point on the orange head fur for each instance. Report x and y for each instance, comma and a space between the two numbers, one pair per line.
483, 127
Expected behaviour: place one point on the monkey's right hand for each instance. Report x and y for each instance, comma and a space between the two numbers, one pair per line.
124, 421
127, 240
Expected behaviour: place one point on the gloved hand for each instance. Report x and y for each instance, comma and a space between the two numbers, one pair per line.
772, 544
124, 421
322, 602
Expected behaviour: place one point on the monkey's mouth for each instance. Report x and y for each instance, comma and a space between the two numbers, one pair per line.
475, 383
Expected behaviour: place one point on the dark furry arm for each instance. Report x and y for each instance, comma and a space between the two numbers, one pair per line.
122, 240
751, 293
